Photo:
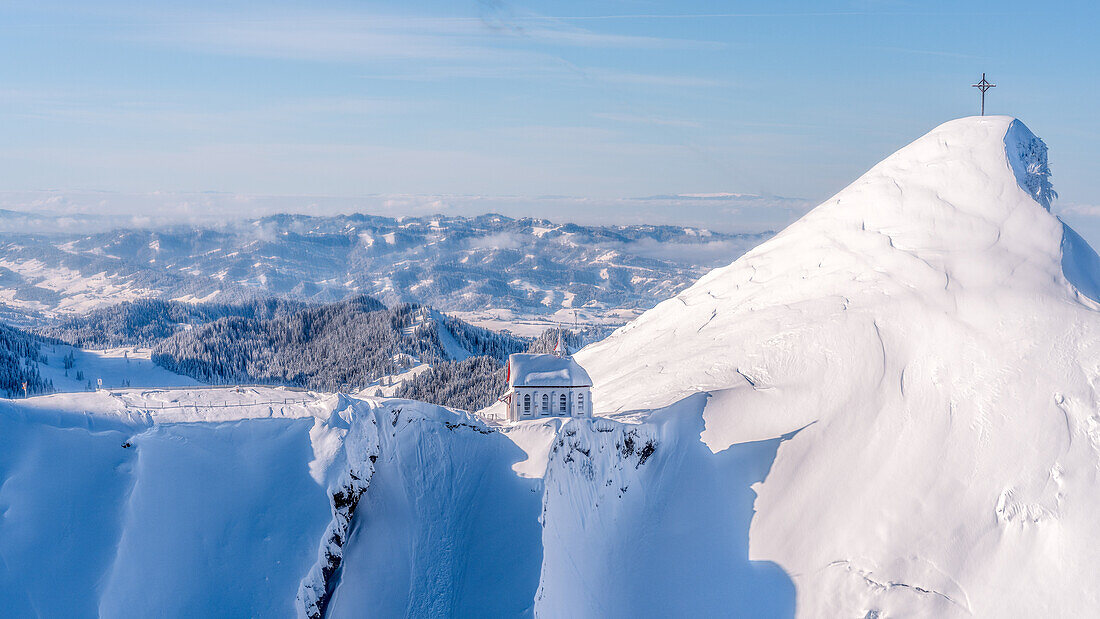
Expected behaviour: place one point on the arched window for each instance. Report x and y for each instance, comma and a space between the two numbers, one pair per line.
545, 404
580, 401
563, 403
527, 403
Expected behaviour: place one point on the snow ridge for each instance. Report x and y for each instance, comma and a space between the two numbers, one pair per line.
446, 528
360, 451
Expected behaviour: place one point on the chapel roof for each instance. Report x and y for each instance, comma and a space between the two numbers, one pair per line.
530, 370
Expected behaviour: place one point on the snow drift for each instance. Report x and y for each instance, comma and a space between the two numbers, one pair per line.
932, 330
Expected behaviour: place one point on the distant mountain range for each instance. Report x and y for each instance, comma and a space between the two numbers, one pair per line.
533, 266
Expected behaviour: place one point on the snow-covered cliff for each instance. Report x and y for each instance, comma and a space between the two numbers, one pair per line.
260, 502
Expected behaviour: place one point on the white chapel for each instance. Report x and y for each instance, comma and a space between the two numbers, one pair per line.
547, 386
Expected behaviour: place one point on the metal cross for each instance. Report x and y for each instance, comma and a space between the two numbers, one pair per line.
983, 86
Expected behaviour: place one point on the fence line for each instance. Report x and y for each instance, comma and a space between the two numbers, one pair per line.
196, 405
225, 404
212, 387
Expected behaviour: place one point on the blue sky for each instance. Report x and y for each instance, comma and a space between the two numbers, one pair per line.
593, 101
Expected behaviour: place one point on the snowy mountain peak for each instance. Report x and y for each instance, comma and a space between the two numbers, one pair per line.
926, 341
961, 209
959, 188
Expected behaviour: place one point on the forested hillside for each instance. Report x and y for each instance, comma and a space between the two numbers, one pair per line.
339, 346
146, 322
471, 384
19, 356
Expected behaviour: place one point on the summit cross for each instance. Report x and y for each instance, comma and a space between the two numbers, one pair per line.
983, 86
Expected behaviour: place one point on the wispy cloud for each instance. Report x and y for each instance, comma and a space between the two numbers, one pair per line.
358, 36
503, 240
1087, 210
876, 11
574, 37
334, 38
648, 79
648, 120
498, 44
175, 112
929, 52
692, 16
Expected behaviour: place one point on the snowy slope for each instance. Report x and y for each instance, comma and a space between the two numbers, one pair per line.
225, 502
929, 334
110, 512
644, 521
116, 367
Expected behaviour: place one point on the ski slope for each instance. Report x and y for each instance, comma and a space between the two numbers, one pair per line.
929, 335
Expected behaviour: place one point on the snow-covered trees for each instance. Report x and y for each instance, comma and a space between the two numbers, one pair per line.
147, 321
19, 356
574, 340
332, 347
471, 384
